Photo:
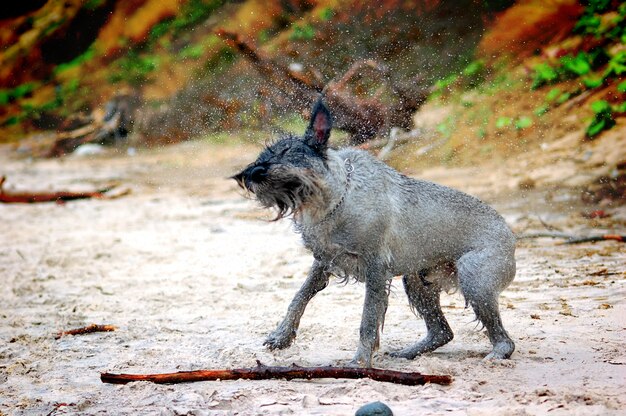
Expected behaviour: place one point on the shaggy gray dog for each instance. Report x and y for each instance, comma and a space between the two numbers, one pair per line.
364, 220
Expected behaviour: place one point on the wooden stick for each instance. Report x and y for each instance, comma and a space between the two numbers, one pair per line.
262, 372
86, 330
572, 239
604, 237
60, 196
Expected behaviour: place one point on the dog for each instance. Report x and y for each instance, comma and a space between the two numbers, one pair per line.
362, 219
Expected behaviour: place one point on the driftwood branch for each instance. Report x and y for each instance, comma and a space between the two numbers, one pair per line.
59, 196
573, 239
262, 372
108, 127
362, 117
86, 330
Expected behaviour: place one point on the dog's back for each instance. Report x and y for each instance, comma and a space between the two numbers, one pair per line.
418, 223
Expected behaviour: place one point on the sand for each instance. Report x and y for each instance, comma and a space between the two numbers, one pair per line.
194, 277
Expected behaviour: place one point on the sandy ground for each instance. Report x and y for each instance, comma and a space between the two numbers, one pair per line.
194, 278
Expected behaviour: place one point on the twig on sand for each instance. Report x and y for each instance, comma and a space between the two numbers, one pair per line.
573, 239
86, 330
58, 197
262, 372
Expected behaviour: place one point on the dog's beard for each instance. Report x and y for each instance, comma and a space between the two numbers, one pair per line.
289, 191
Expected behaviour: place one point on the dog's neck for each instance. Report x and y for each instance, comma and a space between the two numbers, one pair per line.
349, 170
315, 217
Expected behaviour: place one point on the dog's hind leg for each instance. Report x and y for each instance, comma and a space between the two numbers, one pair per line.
424, 299
285, 333
482, 275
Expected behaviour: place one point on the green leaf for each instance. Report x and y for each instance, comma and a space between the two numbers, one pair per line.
620, 108
592, 82
600, 106
621, 87
326, 14
563, 97
617, 65
541, 110
523, 122
474, 68
579, 65
552, 94
598, 6
23, 90
587, 24
302, 32
596, 127
503, 122
602, 119
191, 51
544, 74
446, 82
5, 97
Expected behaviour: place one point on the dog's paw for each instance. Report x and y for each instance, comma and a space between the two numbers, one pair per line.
408, 353
501, 351
279, 340
362, 359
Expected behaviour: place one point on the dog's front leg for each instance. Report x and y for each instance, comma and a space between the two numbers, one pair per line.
285, 333
376, 300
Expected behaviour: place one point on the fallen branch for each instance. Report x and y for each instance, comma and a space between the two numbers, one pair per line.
108, 127
604, 237
59, 197
86, 330
262, 372
573, 239
362, 117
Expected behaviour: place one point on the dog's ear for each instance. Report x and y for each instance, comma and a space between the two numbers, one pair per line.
318, 132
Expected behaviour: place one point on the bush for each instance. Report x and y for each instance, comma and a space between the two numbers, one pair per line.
544, 74
602, 119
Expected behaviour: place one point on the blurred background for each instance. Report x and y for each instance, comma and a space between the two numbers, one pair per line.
421, 82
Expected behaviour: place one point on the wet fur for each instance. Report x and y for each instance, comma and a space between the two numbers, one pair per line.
375, 223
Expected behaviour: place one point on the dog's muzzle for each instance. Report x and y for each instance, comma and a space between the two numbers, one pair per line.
251, 176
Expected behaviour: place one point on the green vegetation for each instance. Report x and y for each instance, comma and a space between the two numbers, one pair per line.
544, 74
21, 91
578, 65
135, 69
192, 14
474, 73
302, 32
592, 82
593, 68
569, 66
553, 94
326, 14
617, 65
602, 119
523, 122
79, 60
503, 122
447, 127
63, 94
192, 52
224, 58
541, 110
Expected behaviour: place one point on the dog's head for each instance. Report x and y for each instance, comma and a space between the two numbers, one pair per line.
287, 174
